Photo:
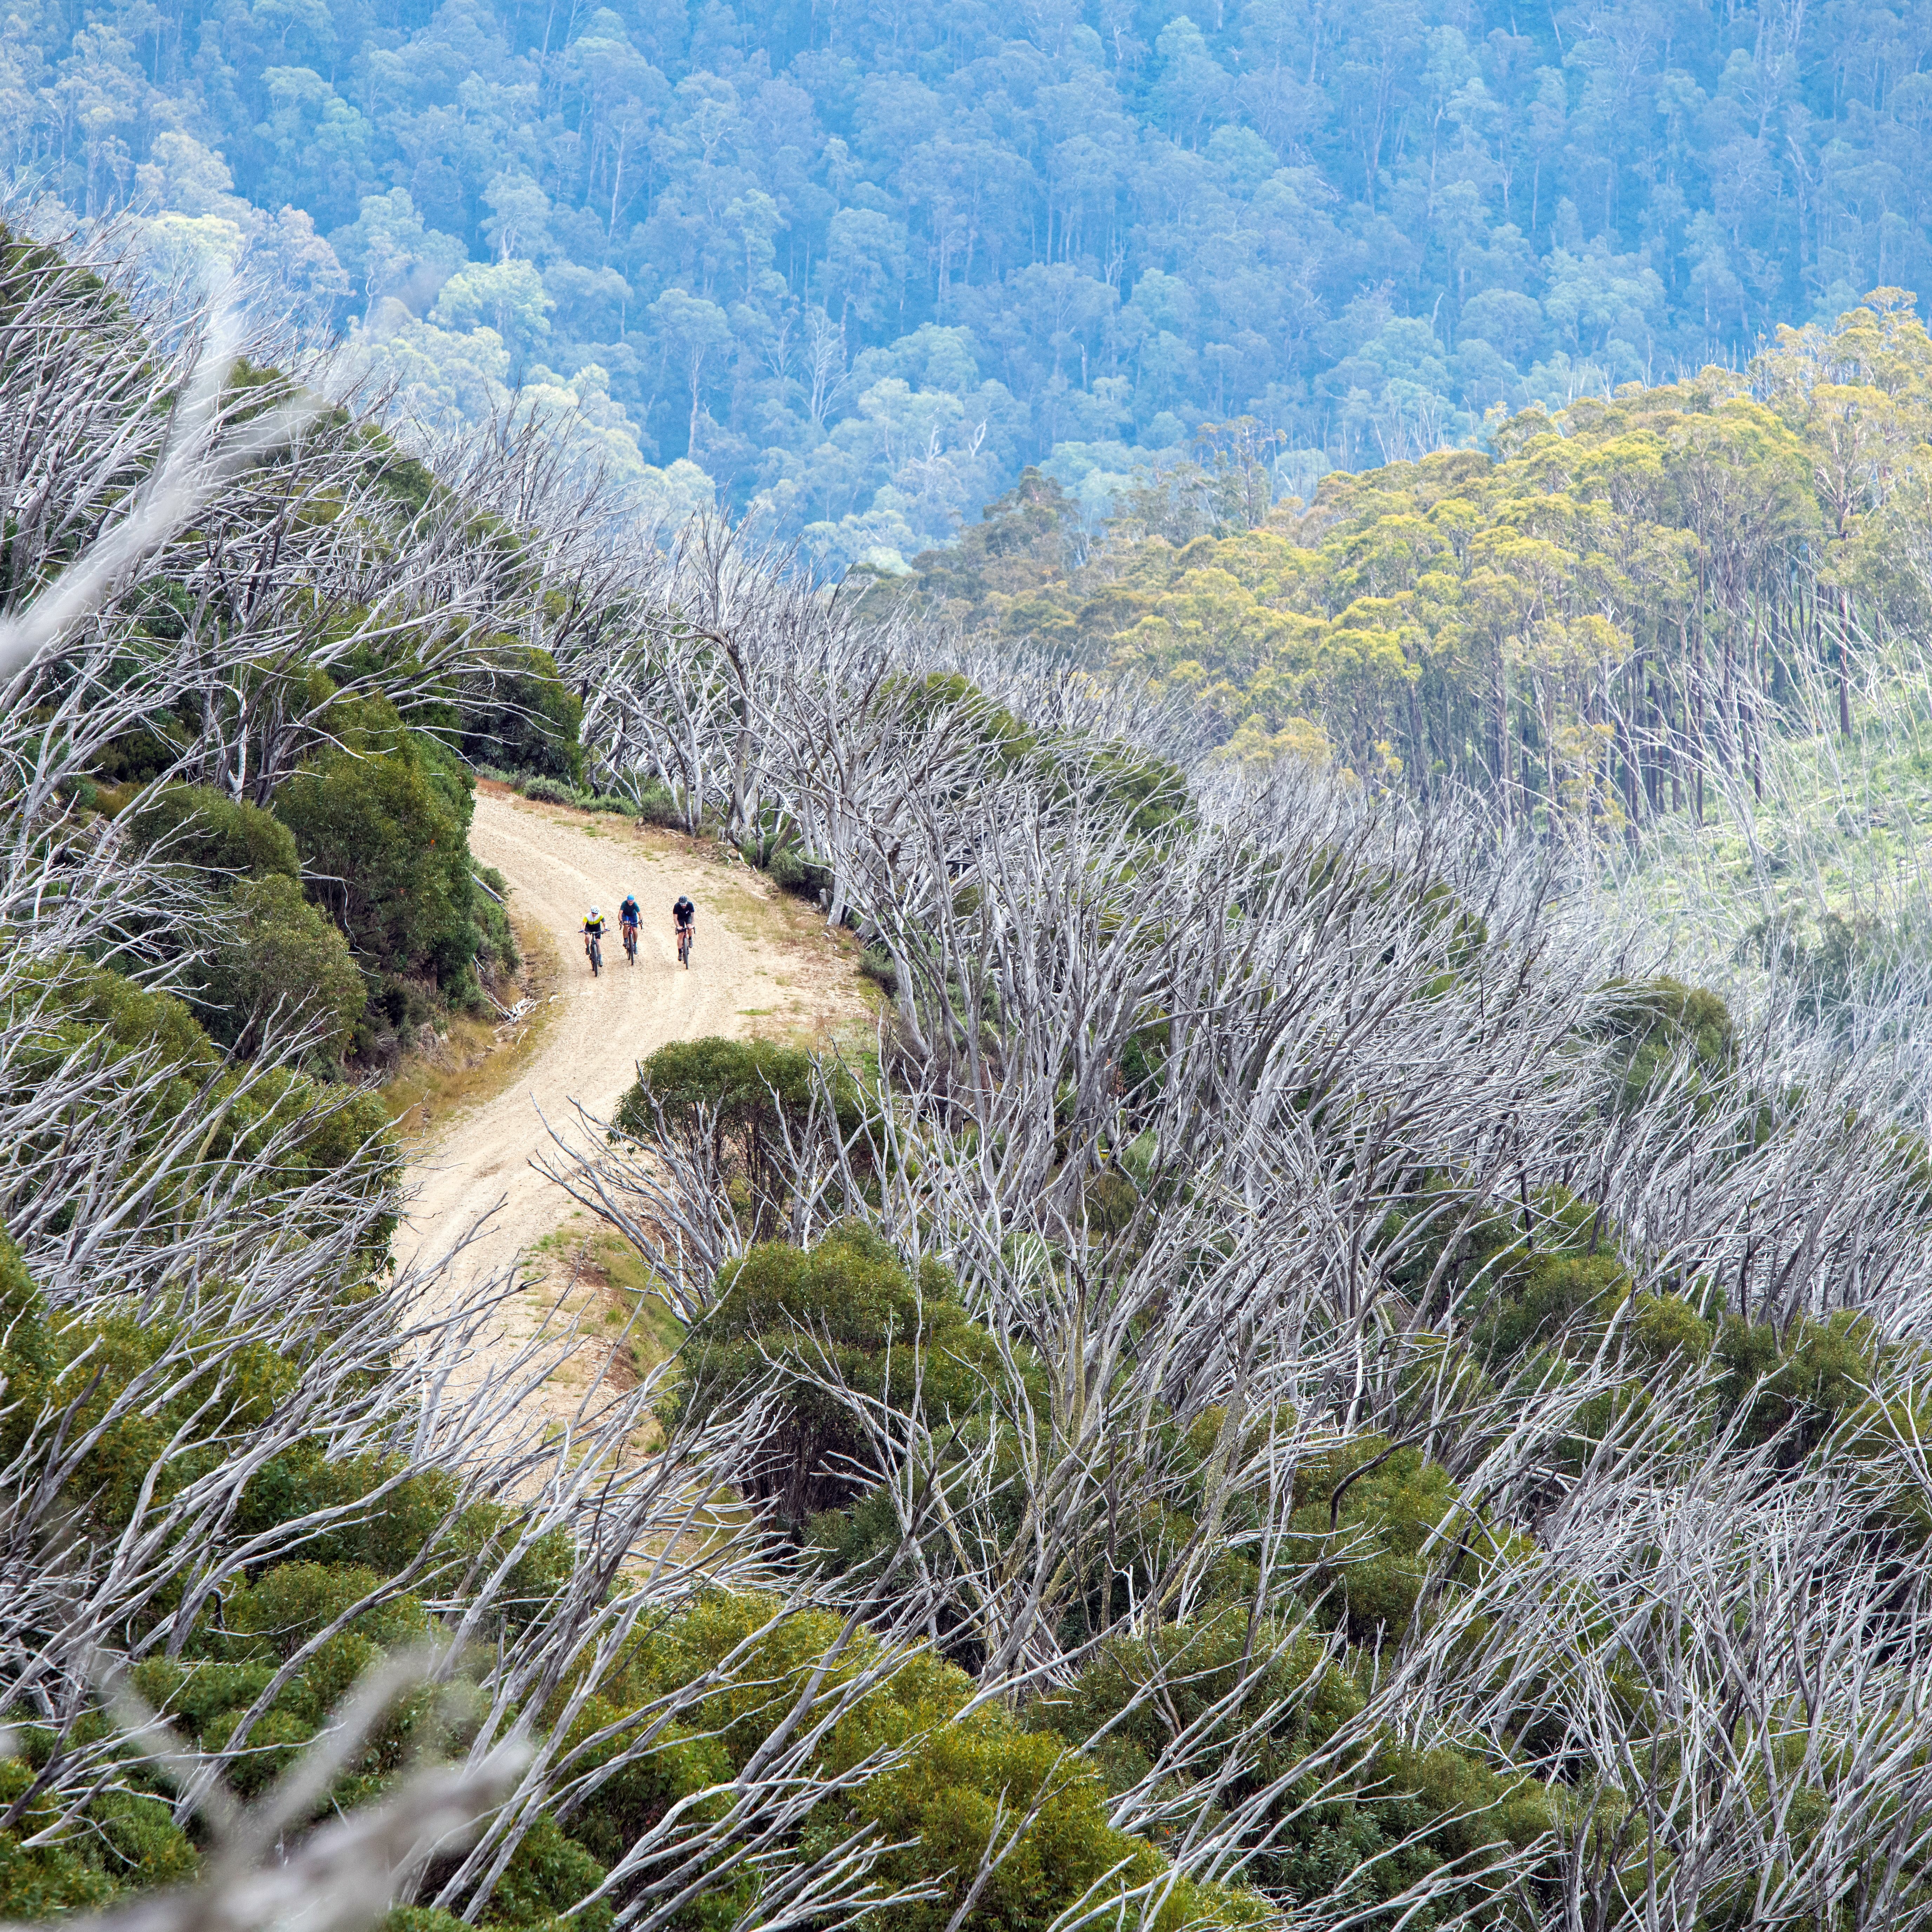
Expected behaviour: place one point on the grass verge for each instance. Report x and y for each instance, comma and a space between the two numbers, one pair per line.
476, 1059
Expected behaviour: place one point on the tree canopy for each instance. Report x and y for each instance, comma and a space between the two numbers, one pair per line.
860, 266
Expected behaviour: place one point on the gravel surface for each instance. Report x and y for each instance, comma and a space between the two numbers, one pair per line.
763, 963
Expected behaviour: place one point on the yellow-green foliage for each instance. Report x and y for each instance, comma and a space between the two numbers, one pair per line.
26, 1356
385, 817
1654, 1024
946, 1791
195, 825
1461, 612
1450, 1803
412, 1509
846, 1306
128, 1839
281, 960
1666, 1328
51, 1363
85, 1008
1377, 1523
95, 1358
47, 1880
1803, 1380
264, 1625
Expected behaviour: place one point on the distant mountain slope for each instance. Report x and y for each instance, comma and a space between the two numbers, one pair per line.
861, 265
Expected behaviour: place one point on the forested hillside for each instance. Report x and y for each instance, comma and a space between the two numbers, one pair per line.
1621, 621
1299, 1382
860, 266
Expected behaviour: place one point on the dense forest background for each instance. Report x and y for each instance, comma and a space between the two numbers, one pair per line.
860, 265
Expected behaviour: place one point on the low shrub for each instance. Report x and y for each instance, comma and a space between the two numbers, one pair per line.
1377, 1523
91, 1008
847, 1308
46, 1881
528, 722
495, 939
192, 825
382, 826
281, 962
657, 805
789, 868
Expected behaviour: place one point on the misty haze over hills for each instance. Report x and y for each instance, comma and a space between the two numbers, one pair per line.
860, 265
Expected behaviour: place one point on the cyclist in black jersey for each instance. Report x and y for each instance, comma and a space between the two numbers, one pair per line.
684, 917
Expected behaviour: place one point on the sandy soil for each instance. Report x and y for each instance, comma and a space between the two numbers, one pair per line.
763, 966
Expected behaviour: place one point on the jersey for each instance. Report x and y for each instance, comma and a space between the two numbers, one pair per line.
685, 913
628, 914
593, 928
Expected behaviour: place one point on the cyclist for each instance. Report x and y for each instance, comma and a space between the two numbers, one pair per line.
684, 916
628, 917
593, 940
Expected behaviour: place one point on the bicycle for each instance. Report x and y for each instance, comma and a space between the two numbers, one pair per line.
631, 944
594, 949
686, 936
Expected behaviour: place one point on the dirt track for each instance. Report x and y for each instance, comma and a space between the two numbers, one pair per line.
763, 965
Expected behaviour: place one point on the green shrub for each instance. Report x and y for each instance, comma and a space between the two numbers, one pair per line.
1805, 1380
381, 829
409, 1514
1447, 1802
941, 1799
1201, 1665
142, 1845
1548, 1296
547, 1873
657, 805
194, 825
26, 1353
94, 1358
629, 1803
878, 966
1152, 791
1667, 1328
495, 939
743, 1086
847, 1308
292, 1602
85, 1006
274, 1741
1651, 1023
46, 1881
550, 791
1365, 1518
420, 1918
791, 869
282, 960
528, 723
963, 1786
196, 1693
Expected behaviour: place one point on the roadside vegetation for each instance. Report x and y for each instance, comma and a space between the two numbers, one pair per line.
1303, 1381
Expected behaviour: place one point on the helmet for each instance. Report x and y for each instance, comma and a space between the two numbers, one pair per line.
594, 914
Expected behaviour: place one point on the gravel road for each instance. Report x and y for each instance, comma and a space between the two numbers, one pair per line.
754, 962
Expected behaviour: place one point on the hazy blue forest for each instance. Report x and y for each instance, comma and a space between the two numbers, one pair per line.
862, 263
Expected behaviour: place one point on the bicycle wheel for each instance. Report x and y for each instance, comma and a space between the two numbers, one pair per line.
596, 959
630, 945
